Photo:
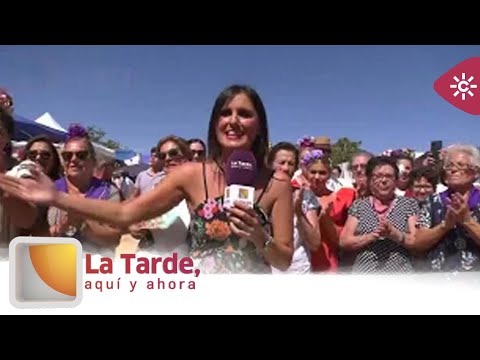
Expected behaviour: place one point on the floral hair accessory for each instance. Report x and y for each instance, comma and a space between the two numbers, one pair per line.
311, 156
400, 152
306, 142
77, 131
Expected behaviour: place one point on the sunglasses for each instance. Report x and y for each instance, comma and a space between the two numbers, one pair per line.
67, 156
198, 152
172, 153
33, 154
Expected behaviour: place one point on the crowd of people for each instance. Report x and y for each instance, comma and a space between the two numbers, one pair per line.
397, 214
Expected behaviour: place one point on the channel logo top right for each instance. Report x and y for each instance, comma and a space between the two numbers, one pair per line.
460, 86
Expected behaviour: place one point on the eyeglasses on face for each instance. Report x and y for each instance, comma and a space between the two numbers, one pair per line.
198, 152
359, 166
33, 154
379, 177
172, 154
419, 187
82, 155
459, 167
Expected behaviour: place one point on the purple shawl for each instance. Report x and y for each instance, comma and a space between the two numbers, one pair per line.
473, 198
98, 189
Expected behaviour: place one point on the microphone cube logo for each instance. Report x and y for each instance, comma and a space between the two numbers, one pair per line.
45, 272
459, 86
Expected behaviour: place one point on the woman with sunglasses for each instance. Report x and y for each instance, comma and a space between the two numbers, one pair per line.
198, 149
15, 214
236, 240
42, 152
166, 234
78, 155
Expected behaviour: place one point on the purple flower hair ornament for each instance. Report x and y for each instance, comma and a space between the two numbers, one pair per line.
400, 152
77, 131
306, 142
310, 156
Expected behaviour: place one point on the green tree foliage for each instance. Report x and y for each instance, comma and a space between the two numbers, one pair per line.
343, 150
97, 135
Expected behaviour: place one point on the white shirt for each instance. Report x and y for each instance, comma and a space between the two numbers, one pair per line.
170, 232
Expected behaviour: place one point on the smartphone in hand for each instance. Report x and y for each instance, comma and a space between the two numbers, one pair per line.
435, 147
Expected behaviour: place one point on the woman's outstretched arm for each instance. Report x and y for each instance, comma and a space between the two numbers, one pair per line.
164, 197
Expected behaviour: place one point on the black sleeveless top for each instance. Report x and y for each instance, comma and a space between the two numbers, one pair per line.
213, 245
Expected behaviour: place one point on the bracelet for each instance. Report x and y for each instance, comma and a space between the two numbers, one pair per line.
268, 244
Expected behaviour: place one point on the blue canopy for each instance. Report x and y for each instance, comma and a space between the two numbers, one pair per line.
126, 155
26, 129
122, 154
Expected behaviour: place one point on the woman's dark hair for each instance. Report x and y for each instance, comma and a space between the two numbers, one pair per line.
196, 140
7, 122
181, 143
427, 172
260, 144
283, 146
404, 157
78, 132
56, 171
377, 161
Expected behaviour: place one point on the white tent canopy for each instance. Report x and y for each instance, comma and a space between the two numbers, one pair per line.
47, 120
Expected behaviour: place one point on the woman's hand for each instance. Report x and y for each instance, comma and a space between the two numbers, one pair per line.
388, 231
244, 223
39, 189
297, 202
459, 207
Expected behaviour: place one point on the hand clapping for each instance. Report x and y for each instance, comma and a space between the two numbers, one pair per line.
457, 209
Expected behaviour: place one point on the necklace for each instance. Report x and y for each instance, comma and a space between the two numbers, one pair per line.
381, 210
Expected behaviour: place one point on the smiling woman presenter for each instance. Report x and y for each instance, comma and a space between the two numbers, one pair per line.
238, 240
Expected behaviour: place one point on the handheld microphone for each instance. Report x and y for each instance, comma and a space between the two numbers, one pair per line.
240, 174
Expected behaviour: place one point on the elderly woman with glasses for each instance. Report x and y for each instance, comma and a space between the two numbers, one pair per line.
381, 227
450, 231
79, 160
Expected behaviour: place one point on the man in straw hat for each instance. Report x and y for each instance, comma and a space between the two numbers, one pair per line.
323, 143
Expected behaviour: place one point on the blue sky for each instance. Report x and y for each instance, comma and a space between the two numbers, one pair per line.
381, 95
